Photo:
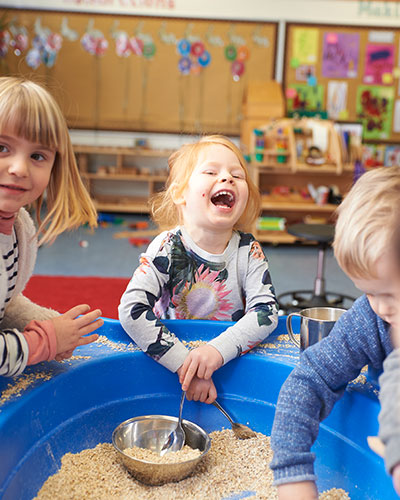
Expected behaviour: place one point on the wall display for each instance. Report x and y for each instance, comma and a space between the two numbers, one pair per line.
357, 74
140, 73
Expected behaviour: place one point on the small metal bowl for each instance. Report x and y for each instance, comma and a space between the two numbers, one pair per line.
151, 432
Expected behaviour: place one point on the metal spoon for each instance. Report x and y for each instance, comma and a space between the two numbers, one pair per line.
241, 431
176, 438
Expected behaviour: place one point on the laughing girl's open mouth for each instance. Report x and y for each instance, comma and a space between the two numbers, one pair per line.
223, 199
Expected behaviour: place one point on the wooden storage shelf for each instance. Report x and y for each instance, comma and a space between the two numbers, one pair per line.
275, 237
125, 166
292, 175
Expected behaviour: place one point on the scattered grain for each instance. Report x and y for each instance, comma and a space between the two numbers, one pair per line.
117, 346
334, 494
231, 467
21, 383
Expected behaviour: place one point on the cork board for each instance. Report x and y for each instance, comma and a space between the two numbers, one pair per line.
357, 73
149, 92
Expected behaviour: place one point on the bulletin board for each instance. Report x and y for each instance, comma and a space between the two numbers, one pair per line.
141, 73
352, 73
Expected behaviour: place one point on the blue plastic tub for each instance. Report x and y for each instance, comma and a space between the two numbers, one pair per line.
86, 398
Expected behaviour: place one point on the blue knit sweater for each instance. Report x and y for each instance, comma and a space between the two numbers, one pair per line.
307, 397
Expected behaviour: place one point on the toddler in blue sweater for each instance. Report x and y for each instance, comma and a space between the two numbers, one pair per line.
366, 221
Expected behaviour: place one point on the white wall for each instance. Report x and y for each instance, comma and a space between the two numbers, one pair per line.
353, 12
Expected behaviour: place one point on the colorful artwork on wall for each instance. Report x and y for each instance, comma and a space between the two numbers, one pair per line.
340, 55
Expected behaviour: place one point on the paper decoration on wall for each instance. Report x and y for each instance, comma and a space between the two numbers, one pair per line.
93, 41
304, 71
213, 40
379, 61
305, 45
375, 109
5, 38
306, 98
258, 39
45, 47
68, 33
165, 37
392, 156
237, 53
124, 44
194, 56
19, 40
340, 55
337, 100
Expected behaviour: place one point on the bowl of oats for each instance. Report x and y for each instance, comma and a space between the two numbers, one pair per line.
138, 442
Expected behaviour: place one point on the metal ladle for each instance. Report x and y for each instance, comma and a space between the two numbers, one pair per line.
176, 438
241, 431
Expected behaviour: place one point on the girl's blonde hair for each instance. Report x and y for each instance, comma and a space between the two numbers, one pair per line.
367, 221
181, 165
29, 111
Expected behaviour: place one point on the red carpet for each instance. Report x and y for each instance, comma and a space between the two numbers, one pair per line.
63, 292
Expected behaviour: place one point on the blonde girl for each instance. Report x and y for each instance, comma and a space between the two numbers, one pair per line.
202, 266
36, 157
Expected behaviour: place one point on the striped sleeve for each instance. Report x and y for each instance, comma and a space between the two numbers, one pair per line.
13, 353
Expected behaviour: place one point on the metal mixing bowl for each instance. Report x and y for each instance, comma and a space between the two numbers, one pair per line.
151, 432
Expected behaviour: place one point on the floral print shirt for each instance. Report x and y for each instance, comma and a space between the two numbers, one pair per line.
176, 279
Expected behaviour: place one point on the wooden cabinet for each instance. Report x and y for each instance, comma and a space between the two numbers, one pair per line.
122, 179
288, 160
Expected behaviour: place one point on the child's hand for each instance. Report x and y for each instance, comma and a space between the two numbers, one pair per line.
70, 329
201, 362
201, 390
396, 478
306, 490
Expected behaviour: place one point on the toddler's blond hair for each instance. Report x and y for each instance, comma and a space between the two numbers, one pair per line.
367, 220
181, 165
29, 111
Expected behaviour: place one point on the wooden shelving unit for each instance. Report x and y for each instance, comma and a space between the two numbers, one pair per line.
291, 140
109, 165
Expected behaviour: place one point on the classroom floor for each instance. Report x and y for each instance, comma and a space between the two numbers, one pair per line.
82, 253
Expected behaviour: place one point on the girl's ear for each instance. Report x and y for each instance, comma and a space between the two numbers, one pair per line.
177, 195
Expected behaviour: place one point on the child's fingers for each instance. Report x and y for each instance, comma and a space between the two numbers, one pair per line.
88, 339
88, 318
91, 327
190, 373
208, 373
77, 310
184, 368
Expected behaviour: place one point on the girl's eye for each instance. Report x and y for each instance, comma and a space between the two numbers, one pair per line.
209, 172
3, 149
38, 157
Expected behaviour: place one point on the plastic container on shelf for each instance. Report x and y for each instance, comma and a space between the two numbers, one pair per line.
86, 398
259, 144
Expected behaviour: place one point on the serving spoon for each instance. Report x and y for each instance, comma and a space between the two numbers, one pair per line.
241, 431
176, 438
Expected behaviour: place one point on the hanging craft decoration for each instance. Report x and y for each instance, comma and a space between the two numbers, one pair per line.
93, 40
122, 41
167, 38
143, 45
19, 40
68, 33
194, 56
4, 42
236, 52
258, 39
45, 47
